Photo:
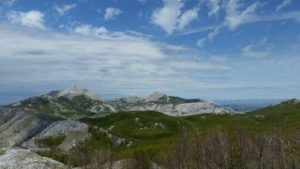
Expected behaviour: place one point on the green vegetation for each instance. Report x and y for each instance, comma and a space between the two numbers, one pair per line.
78, 107
153, 136
151, 131
2, 152
139, 127
284, 116
56, 155
174, 100
51, 141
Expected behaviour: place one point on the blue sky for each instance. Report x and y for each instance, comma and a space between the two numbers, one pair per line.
213, 49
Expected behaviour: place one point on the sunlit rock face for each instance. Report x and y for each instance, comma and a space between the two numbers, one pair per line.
73, 132
15, 158
17, 126
170, 105
73, 92
77, 103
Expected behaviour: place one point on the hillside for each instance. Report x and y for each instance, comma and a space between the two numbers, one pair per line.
74, 131
153, 129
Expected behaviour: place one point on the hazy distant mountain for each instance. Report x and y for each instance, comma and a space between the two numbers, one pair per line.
247, 105
75, 103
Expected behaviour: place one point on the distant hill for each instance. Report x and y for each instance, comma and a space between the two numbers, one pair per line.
247, 105
56, 124
76, 103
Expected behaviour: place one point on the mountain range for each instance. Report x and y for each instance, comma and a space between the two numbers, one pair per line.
56, 123
77, 102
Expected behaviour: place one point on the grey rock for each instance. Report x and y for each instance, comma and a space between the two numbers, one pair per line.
156, 96
73, 92
73, 131
19, 128
14, 158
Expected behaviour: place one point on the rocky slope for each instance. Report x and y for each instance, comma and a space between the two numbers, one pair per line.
73, 103
15, 158
170, 105
73, 92
16, 126
26, 129
67, 133
43, 116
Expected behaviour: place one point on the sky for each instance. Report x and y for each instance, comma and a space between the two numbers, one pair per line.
211, 49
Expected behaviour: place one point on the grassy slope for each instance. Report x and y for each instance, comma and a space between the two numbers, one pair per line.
140, 128
284, 116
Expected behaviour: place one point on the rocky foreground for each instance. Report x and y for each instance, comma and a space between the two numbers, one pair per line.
15, 158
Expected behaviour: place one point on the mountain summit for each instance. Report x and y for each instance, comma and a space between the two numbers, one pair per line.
70, 93
157, 96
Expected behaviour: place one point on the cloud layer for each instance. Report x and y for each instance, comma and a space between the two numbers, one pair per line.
221, 46
112, 60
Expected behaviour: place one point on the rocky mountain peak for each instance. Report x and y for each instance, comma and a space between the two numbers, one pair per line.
292, 101
156, 96
70, 93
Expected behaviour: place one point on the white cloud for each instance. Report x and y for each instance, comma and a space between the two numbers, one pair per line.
200, 42
214, 6
210, 36
283, 4
170, 17
213, 33
166, 17
90, 30
117, 64
187, 17
34, 19
61, 10
293, 15
197, 30
250, 52
236, 16
111, 13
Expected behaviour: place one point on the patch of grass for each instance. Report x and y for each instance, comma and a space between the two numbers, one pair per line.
51, 141
174, 100
139, 127
2, 152
56, 155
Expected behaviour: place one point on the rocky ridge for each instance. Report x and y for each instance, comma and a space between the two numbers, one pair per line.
170, 105
15, 158
70, 93
75, 103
